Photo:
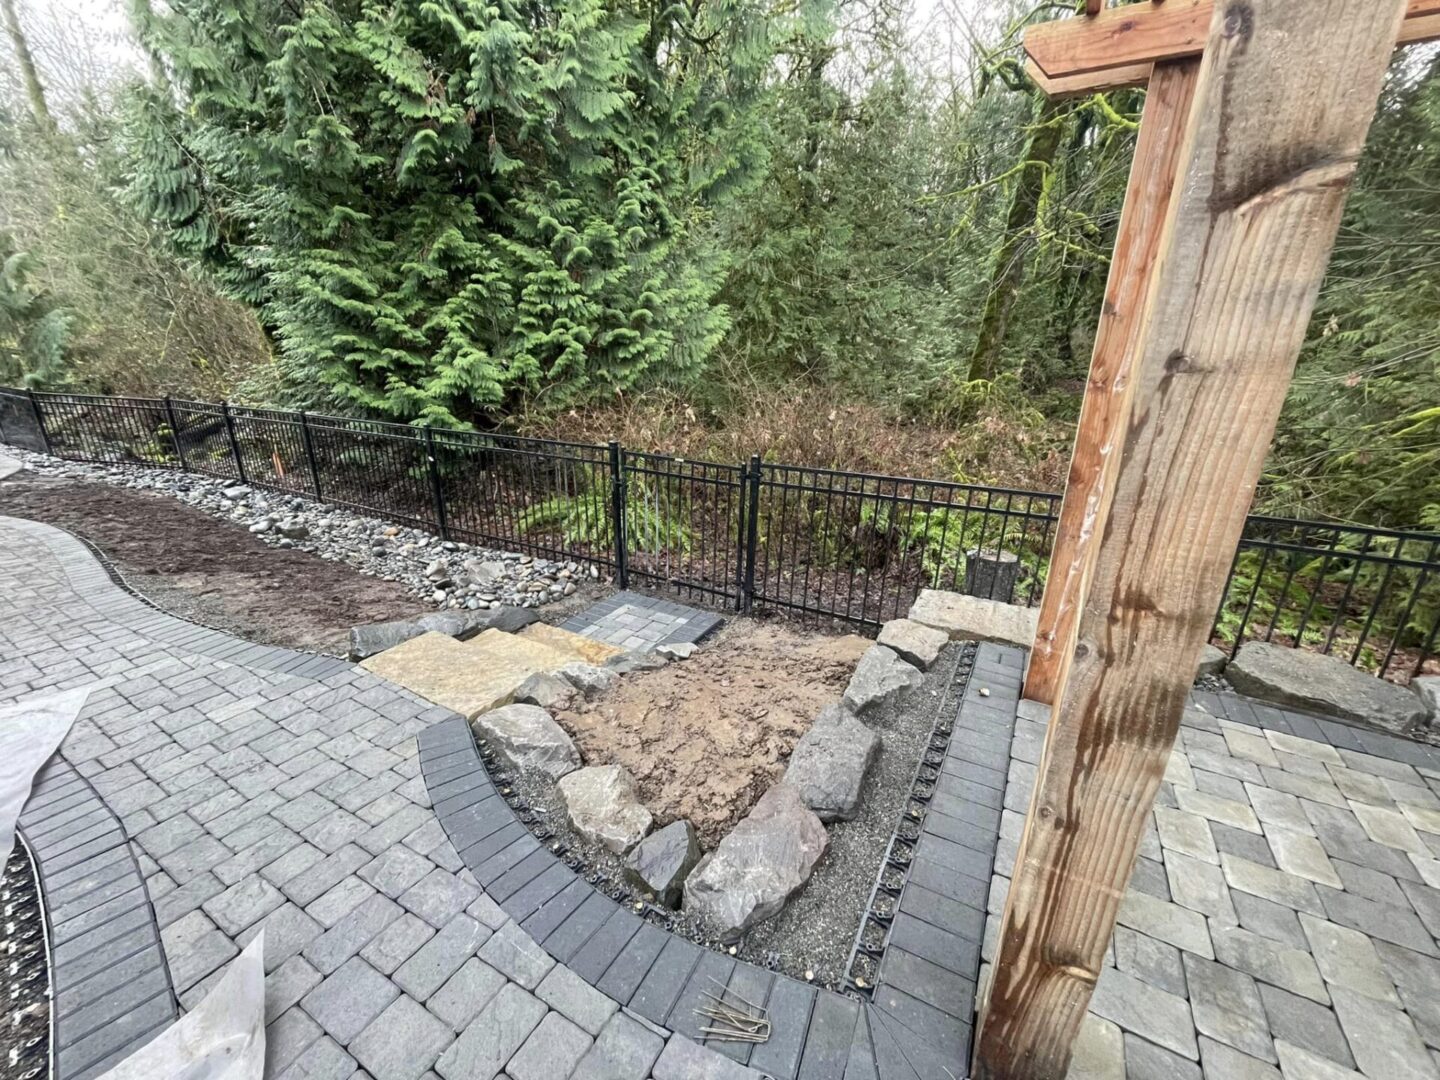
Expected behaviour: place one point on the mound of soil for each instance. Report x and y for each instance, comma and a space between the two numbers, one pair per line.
212, 571
705, 737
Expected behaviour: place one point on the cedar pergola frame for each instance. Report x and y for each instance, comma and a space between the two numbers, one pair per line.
1254, 122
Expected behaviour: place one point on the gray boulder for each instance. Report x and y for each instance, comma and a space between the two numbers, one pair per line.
601, 803
1428, 687
484, 572
880, 678
1323, 684
547, 690
763, 861
629, 662
1212, 661
663, 860
366, 641
528, 738
829, 764
590, 680
677, 650
913, 642
970, 618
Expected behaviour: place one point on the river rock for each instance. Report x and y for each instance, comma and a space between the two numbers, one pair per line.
529, 739
590, 680
829, 763
602, 806
663, 860
913, 642
880, 678
677, 650
1324, 684
1212, 661
484, 572
547, 690
759, 865
970, 618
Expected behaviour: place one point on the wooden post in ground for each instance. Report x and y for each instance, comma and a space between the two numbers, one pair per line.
1284, 98
1105, 412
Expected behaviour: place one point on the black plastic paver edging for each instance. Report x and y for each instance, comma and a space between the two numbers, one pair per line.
110, 983
657, 975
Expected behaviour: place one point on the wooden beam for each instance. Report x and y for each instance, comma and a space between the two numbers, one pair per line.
1104, 416
1285, 95
1116, 47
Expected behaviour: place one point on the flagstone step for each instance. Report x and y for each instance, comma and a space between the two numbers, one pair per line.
584, 648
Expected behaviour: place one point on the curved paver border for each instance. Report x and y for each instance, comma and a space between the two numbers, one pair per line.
110, 984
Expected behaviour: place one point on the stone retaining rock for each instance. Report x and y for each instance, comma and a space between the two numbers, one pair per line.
1212, 661
590, 680
601, 803
972, 619
663, 860
763, 861
366, 641
1324, 684
677, 650
1428, 687
830, 761
529, 739
629, 662
547, 690
880, 677
914, 642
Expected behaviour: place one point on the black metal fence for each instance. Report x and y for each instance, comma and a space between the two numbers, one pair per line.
752, 536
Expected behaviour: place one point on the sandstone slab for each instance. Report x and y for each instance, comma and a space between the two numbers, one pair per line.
829, 764
601, 803
661, 862
529, 739
913, 642
584, 648
973, 619
1324, 684
759, 865
880, 678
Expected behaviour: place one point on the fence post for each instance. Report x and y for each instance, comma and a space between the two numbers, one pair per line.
752, 534
617, 511
234, 442
310, 454
175, 433
40, 422
437, 490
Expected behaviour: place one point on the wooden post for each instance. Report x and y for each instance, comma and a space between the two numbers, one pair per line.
1285, 96
1103, 417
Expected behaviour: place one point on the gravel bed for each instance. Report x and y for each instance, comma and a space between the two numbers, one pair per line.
813, 936
446, 574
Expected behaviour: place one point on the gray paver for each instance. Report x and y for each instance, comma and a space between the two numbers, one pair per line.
624, 1049
553, 1049
402, 1042
466, 993
492, 1038
440, 957
512, 951
576, 1000
344, 1004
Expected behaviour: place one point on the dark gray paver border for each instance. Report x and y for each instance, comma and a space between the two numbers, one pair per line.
110, 984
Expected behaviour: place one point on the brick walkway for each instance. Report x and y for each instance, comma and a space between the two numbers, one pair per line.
265, 788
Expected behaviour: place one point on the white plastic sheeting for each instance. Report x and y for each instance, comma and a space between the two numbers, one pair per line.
222, 1038
31, 730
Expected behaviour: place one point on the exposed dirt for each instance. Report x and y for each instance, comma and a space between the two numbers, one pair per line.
705, 737
212, 571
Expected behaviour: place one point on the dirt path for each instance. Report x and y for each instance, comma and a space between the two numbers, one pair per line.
705, 737
212, 571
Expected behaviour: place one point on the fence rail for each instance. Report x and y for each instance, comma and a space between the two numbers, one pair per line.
751, 536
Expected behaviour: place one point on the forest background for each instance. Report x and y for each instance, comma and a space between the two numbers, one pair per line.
844, 233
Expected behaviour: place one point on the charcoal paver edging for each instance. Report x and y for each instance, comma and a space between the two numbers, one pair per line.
110, 982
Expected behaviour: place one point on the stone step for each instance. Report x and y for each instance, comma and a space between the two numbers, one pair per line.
584, 648
469, 677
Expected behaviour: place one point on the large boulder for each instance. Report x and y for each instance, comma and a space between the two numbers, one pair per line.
1323, 684
970, 618
763, 861
829, 764
366, 641
529, 739
663, 860
602, 806
547, 690
880, 678
631, 662
1428, 687
590, 680
1212, 661
913, 642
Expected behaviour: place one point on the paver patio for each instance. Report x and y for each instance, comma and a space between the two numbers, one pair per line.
1282, 919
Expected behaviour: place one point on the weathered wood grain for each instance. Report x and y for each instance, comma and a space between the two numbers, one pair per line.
1104, 414
1285, 96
